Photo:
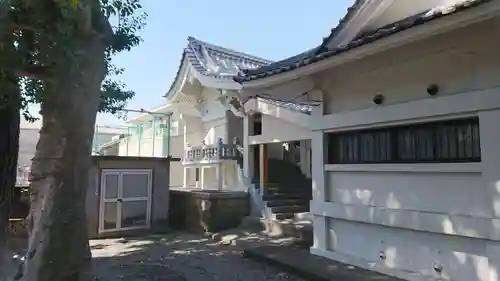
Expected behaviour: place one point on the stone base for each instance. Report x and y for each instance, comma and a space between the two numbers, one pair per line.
207, 211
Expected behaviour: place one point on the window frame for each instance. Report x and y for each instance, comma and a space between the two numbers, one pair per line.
407, 143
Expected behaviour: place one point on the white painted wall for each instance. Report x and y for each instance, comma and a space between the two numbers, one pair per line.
212, 108
234, 127
403, 75
268, 108
192, 128
215, 129
279, 130
213, 124
218, 124
417, 214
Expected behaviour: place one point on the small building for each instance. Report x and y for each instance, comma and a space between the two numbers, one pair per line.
127, 195
405, 99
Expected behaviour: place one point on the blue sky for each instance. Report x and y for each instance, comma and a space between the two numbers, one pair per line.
272, 29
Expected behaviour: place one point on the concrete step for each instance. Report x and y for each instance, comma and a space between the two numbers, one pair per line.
286, 202
301, 194
289, 187
280, 196
290, 209
282, 216
291, 195
286, 226
284, 191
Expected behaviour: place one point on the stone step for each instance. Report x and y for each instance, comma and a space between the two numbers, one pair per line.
282, 216
272, 185
290, 209
285, 191
280, 196
288, 195
286, 202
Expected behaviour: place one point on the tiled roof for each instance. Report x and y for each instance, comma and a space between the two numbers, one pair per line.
342, 22
282, 63
363, 39
215, 61
222, 63
219, 62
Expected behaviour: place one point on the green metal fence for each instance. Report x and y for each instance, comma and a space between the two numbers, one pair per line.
150, 135
150, 138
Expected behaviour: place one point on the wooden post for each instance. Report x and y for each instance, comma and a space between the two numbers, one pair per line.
263, 166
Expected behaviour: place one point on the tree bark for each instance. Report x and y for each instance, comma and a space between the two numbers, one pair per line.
9, 140
9, 148
58, 243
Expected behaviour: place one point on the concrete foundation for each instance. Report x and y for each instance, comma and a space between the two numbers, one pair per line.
207, 211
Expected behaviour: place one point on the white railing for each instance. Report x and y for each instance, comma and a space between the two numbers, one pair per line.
211, 153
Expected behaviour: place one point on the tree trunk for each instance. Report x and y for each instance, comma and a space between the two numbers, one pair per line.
9, 148
58, 243
9, 140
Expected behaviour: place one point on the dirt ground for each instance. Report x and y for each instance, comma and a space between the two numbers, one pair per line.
176, 257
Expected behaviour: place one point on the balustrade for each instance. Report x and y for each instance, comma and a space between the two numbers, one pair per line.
212, 153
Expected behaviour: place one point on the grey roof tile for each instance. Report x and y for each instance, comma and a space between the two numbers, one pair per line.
216, 61
363, 39
222, 63
342, 22
219, 62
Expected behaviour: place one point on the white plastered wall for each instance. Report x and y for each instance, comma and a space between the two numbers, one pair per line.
214, 124
416, 214
279, 130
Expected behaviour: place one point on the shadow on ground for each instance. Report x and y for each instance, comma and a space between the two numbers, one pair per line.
178, 256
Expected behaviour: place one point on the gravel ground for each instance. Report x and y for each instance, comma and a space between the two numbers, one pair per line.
176, 257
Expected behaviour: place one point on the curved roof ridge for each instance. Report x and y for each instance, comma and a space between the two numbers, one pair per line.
215, 62
193, 41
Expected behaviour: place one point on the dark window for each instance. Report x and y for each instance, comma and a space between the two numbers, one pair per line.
257, 125
446, 141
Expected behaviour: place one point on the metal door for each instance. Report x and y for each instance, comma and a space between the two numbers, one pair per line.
125, 200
